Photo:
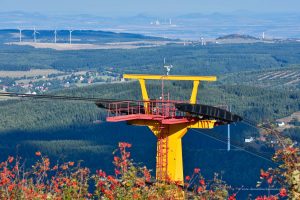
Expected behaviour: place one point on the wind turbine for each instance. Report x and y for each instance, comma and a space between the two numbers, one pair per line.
55, 36
168, 67
34, 34
70, 36
20, 34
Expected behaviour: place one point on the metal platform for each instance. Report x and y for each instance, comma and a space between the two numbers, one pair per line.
167, 112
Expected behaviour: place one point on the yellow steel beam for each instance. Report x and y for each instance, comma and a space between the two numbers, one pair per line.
169, 77
193, 99
144, 90
202, 124
175, 161
144, 93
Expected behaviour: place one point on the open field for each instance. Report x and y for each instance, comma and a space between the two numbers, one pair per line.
30, 73
114, 45
274, 78
287, 120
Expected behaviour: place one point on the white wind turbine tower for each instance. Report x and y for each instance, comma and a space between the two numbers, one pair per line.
20, 34
55, 36
70, 36
34, 34
263, 35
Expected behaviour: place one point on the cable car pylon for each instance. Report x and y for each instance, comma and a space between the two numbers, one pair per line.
169, 120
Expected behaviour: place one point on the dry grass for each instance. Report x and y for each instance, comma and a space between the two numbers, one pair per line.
116, 45
31, 73
287, 120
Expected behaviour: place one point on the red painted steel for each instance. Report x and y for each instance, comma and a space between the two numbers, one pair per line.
160, 110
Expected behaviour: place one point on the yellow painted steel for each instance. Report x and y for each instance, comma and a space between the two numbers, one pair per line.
202, 124
144, 89
193, 99
144, 93
169, 77
173, 132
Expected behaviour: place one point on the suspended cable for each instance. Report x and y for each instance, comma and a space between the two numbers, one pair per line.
234, 142
238, 147
69, 98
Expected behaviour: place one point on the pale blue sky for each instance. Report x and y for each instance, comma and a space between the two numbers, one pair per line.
133, 7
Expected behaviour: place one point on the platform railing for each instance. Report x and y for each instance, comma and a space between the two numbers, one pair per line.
165, 109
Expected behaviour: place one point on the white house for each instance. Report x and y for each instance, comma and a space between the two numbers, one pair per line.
280, 124
248, 140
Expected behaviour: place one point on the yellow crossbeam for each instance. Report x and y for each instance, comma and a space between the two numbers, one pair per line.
170, 77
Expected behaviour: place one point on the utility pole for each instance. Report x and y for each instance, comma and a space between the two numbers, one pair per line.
228, 132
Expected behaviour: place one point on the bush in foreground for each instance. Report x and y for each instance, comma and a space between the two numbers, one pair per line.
130, 181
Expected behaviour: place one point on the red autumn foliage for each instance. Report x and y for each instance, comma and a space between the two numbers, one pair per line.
232, 197
68, 181
187, 178
202, 182
282, 192
196, 170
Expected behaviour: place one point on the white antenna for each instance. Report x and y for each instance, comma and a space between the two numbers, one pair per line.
55, 36
34, 34
20, 34
70, 36
168, 67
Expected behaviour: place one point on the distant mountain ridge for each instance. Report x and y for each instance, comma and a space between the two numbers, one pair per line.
184, 26
237, 36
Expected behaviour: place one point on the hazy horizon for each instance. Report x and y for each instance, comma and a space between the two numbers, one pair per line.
191, 19
116, 8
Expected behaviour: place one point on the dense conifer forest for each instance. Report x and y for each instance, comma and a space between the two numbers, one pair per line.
69, 130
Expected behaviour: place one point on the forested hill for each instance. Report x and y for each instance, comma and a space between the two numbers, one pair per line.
254, 103
69, 130
190, 59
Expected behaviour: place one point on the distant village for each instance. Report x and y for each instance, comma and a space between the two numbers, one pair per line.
42, 83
